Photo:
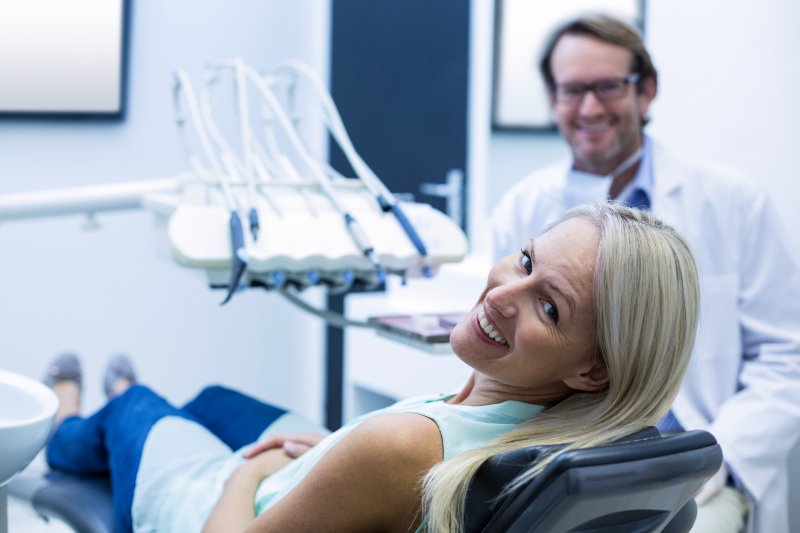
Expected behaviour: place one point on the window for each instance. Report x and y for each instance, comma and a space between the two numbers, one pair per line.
61, 56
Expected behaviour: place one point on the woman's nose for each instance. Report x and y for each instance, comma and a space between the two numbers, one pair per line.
505, 298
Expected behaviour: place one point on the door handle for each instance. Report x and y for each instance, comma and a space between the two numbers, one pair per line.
452, 191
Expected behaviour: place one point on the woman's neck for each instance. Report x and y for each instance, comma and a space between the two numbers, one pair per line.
482, 390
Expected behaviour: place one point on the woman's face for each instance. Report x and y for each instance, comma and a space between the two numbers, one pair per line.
532, 332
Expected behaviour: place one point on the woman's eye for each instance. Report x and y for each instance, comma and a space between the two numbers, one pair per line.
525, 261
551, 311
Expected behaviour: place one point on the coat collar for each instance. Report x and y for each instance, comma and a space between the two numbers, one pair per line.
668, 177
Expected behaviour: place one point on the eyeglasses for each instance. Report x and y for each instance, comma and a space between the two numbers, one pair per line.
604, 90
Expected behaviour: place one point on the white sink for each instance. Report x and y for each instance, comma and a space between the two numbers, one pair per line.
27, 409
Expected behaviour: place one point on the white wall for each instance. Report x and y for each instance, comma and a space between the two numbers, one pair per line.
479, 119
729, 75
99, 292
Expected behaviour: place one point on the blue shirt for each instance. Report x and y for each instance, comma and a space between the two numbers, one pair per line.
643, 180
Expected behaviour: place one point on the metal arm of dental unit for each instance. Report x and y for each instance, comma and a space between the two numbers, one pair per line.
272, 214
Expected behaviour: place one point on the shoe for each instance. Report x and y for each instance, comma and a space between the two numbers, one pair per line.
65, 367
119, 367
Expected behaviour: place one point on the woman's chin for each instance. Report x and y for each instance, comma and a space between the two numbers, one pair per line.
469, 342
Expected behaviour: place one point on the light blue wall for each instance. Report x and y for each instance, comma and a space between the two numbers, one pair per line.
103, 291
512, 155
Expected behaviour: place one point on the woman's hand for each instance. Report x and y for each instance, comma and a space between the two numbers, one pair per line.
270, 455
292, 445
263, 464
235, 509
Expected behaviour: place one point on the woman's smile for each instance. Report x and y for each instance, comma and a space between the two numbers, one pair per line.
488, 329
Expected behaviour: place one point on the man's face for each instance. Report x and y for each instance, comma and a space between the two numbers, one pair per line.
601, 133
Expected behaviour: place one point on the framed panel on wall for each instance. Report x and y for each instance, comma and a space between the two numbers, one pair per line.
62, 57
521, 28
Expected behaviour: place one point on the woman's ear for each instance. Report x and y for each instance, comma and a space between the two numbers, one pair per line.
592, 379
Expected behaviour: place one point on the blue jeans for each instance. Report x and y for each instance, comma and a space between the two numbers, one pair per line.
110, 442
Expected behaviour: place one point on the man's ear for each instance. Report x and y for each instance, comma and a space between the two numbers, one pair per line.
647, 94
551, 99
591, 379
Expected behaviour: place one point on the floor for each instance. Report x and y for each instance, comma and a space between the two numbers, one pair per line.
23, 519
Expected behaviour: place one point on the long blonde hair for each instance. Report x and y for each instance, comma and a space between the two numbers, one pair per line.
646, 304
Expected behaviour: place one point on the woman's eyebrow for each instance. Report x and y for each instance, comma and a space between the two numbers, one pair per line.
567, 298
528, 246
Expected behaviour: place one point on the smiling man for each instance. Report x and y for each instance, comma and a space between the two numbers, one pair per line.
744, 381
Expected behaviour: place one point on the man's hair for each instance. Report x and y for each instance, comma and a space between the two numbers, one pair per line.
607, 29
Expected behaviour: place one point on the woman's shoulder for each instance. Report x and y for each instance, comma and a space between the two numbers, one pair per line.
402, 435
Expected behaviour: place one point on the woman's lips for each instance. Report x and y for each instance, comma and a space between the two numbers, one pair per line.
488, 330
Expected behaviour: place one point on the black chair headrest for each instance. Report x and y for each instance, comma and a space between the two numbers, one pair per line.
645, 445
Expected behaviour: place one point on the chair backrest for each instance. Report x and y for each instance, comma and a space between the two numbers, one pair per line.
638, 484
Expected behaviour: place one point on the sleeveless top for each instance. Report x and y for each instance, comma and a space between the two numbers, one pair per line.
184, 467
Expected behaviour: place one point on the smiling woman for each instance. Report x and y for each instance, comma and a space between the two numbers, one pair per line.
539, 302
625, 346
582, 337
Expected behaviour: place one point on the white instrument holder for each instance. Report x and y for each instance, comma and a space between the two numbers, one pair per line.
306, 247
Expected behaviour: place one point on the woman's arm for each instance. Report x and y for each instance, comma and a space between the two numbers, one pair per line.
371, 480
235, 508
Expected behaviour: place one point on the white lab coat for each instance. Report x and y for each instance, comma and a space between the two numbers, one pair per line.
743, 383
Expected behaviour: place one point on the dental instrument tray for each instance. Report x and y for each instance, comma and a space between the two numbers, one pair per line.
429, 331
301, 247
257, 207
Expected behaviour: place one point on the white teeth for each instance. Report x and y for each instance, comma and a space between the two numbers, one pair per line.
594, 129
489, 330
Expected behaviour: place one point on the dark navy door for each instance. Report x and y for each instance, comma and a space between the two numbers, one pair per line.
399, 76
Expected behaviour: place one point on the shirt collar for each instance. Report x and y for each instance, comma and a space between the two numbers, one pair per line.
643, 179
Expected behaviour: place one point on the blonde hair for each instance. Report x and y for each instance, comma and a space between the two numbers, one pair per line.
646, 305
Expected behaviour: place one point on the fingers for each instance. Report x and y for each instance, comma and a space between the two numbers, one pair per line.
295, 449
264, 445
293, 445
309, 439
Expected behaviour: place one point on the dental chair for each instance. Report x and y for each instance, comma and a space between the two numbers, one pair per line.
83, 503
644, 482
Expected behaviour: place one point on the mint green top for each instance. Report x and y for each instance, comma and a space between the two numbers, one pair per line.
184, 468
